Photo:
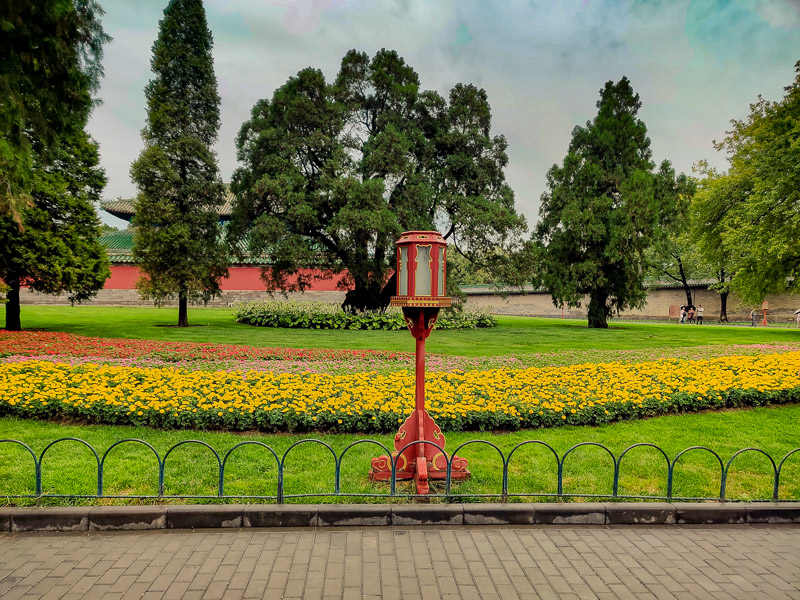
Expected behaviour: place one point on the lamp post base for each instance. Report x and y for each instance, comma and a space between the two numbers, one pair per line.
419, 445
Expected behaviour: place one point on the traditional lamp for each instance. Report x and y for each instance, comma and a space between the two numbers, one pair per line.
421, 289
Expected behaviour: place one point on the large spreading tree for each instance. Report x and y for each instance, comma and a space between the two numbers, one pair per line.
178, 238
750, 216
332, 172
604, 207
58, 249
50, 53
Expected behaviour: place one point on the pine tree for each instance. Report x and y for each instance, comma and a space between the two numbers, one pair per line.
178, 242
58, 250
50, 52
605, 206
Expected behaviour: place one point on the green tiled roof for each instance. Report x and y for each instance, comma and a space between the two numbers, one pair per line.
123, 207
119, 246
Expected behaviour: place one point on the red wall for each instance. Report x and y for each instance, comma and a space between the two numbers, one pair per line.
240, 278
122, 278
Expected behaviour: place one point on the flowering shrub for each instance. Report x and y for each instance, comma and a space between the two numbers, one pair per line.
366, 402
34, 343
320, 315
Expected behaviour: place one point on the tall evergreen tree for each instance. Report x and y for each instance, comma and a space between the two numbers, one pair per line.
58, 250
603, 208
178, 242
50, 52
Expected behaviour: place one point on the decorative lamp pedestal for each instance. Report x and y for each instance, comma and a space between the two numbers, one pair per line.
421, 296
421, 462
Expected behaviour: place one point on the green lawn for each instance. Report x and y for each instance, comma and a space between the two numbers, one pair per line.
69, 467
513, 335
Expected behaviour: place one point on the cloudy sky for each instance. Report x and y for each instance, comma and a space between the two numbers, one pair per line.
695, 63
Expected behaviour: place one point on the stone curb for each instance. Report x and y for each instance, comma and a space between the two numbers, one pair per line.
197, 516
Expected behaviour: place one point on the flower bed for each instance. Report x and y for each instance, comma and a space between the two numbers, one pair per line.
366, 402
35, 343
77, 350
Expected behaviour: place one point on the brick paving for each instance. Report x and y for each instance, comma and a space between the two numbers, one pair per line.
692, 563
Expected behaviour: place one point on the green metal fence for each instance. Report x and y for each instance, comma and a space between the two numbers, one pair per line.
281, 493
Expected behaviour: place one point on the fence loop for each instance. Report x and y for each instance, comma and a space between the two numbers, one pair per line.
356, 443
114, 445
162, 473
239, 445
37, 474
429, 443
742, 451
502, 462
778, 474
70, 439
525, 443
307, 441
624, 452
692, 448
567, 453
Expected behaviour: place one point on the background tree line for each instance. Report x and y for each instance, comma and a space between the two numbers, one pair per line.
332, 171
609, 219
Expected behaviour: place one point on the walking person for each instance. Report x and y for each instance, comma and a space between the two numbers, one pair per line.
797, 316
691, 314
700, 315
683, 314
753, 317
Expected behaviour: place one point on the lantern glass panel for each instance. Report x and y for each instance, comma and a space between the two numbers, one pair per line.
403, 281
423, 275
442, 258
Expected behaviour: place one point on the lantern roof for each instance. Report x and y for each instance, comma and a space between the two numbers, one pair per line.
411, 237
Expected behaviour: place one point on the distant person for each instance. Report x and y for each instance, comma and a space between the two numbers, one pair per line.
797, 314
683, 314
700, 315
690, 314
753, 317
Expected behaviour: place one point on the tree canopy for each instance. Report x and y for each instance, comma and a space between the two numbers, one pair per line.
604, 207
178, 239
749, 217
675, 256
58, 250
50, 53
332, 172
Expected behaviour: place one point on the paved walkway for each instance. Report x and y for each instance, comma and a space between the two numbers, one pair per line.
717, 562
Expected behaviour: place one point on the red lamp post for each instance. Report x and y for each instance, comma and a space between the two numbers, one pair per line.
421, 272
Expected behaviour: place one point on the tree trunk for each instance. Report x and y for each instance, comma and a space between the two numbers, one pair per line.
367, 295
723, 307
598, 311
12, 308
684, 282
183, 310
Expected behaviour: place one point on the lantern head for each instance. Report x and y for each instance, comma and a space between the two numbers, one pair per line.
421, 270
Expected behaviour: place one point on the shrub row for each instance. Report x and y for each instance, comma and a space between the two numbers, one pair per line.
319, 315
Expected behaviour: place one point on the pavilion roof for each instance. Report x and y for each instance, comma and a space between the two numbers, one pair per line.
123, 207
